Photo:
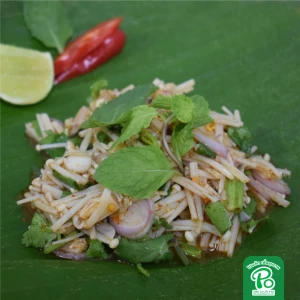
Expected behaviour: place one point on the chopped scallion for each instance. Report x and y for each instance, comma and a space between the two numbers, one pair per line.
234, 195
218, 215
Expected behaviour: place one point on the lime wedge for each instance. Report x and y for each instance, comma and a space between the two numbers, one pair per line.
26, 76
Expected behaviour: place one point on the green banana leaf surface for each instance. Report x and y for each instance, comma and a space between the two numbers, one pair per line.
244, 55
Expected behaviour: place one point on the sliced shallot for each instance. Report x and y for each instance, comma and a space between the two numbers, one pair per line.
278, 186
137, 220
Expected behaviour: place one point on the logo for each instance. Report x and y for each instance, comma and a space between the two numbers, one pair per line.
263, 276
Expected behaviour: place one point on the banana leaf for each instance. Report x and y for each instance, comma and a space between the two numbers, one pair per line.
243, 55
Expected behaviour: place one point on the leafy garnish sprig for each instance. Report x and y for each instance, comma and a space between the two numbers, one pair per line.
139, 171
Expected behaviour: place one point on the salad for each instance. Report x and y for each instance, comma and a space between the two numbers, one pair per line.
148, 174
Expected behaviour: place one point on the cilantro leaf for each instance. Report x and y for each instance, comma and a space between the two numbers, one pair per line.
241, 136
183, 108
39, 233
48, 22
152, 250
137, 172
164, 102
141, 117
118, 110
251, 224
53, 138
96, 249
182, 139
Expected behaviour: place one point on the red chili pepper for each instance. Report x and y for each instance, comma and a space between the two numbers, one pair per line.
82, 46
108, 49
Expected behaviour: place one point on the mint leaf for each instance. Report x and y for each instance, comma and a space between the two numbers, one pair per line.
118, 110
48, 22
140, 118
201, 112
39, 233
96, 249
103, 137
182, 136
164, 102
183, 108
182, 139
137, 172
152, 250
241, 136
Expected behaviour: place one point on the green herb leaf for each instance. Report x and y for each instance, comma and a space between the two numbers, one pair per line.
250, 209
137, 172
69, 181
39, 233
182, 139
141, 117
251, 224
161, 223
96, 249
152, 250
218, 215
103, 137
48, 23
201, 112
183, 108
96, 87
202, 149
241, 136
234, 195
182, 136
164, 102
118, 110
52, 138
